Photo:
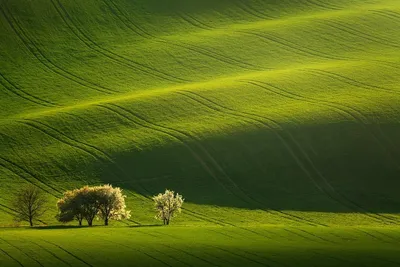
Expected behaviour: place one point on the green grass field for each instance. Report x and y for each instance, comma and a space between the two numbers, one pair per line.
266, 115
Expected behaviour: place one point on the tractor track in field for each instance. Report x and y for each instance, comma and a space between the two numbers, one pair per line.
352, 112
325, 187
292, 46
22, 252
141, 251
11, 257
351, 81
50, 252
127, 62
192, 21
227, 111
324, 6
94, 151
45, 61
173, 136
242, 195
7, 163
232, 187
388, 14
252, 11
349, 30
16, 90
143, 33
68, 252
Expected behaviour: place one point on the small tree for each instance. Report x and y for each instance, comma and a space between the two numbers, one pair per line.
29, 204
111, 203
71, 207
167, 205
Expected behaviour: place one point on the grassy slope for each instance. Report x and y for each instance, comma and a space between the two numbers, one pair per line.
290, 106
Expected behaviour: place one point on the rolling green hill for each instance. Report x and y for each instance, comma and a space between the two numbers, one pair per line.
258, 112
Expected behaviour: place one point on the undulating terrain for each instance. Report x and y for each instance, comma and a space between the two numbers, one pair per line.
259, 112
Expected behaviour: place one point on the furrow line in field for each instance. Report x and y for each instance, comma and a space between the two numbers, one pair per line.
387, 14
68, 252
64, 140
340, 108
142, 251
197, 49
388, 236
360, 34
300, 235
373, 236
173, 136
190, 20
91, 150
249, 10
16, 90
82, 36
6, 209
87, 146
191, 255
50, 252
330, 191
255, 10
23, 252
316, 236
237, 191
4, 162
322, 5
350, 81
294, 47
227, 111
241, 256
46, 62
11, 257
229, 184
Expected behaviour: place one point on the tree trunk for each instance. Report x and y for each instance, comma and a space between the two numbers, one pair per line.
31, 222
106, 221
90, 223
80, 222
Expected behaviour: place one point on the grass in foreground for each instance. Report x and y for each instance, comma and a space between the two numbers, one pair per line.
200, 246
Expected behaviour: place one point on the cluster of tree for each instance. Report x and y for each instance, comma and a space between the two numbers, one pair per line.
88, 203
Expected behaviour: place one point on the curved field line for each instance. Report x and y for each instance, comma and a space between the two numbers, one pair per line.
197, 49
251, 11
239, 192
50, 252
242, 256
227, 111
290, 45
16, 90
23, 252
81, 145
323, 5
68, 252
330, 192
11, 257
190, 20
46, 62
363, 35
145, 124
82, 36
8, 162
340, 108
141, 251
387, 14
351, 81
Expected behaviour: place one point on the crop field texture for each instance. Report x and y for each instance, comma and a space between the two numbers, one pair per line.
261, 113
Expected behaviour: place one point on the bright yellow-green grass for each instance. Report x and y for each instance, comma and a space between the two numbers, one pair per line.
258, 112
